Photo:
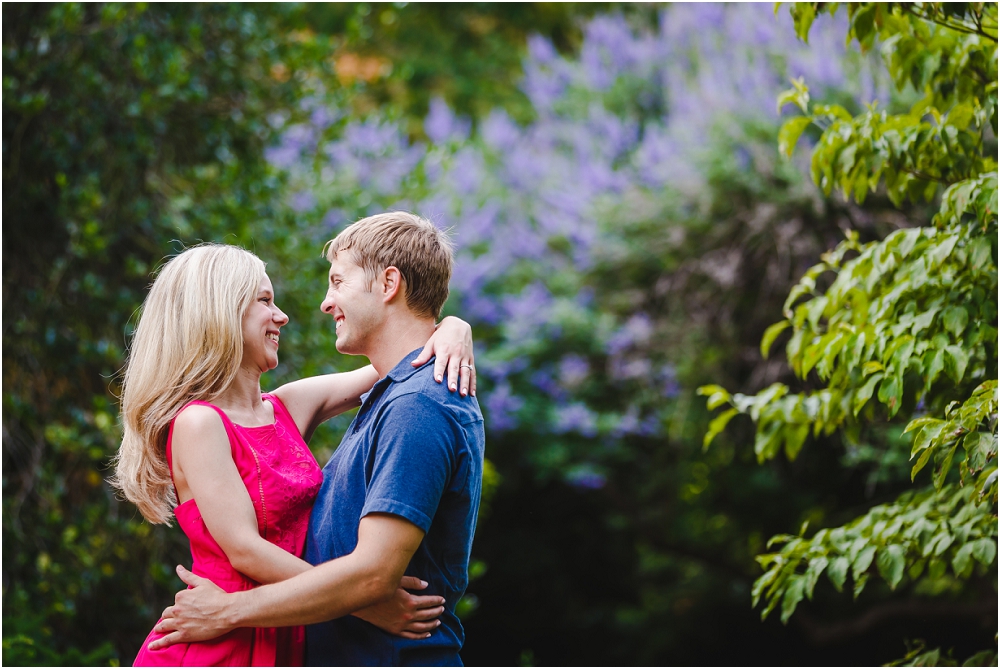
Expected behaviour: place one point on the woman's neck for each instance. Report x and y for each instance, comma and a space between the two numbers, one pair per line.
242, 402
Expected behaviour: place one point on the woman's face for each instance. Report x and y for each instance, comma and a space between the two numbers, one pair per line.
261, 325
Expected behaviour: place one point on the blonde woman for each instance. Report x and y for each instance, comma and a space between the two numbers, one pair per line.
204, 445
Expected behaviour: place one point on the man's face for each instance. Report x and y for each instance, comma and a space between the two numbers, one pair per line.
355, 306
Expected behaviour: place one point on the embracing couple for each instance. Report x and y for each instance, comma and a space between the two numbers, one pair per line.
393, 510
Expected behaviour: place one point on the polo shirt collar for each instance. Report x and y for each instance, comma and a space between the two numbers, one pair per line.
400, 372
404, 369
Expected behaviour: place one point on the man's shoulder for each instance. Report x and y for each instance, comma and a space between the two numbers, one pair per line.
421, 393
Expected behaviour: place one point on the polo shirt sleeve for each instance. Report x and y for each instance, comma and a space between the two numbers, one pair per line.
416, 443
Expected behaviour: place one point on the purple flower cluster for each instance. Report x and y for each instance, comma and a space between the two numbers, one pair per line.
523, 203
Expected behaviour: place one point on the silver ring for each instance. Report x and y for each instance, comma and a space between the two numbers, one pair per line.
461, 366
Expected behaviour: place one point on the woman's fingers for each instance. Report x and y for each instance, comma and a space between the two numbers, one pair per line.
454, 369
467, 371
425, 355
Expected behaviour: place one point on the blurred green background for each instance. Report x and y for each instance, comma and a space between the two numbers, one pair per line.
627, 230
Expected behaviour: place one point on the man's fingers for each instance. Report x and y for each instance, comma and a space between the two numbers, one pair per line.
421, 615
411, 635
190, 578
422, 626
169, 640
166, 625
167, 613
412, 583
426, 601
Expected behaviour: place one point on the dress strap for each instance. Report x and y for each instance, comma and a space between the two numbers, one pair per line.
281, 413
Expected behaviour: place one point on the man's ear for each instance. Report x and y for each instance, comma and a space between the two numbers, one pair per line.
392, 284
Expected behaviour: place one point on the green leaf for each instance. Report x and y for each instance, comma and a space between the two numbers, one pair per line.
859, 585
955, 319
767, 441
955, 362
862, 561
891, 562
717, 395
794, 592
770, 334
921, 463
962, 562
863, 394
790, 132
795, 436
889, 393
942, 471
984, 550
837, 572
717, 425
813, 572
803, 14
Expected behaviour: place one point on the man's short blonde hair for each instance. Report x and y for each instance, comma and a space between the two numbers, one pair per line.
411, 244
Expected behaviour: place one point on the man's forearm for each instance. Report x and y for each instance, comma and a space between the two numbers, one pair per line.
328, 591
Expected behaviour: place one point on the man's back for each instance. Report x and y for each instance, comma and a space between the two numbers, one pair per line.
414, 450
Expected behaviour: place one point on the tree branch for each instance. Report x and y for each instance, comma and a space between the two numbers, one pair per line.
824, 634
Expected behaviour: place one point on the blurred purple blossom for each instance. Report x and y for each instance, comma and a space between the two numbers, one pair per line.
586, 478
573, 370
441, 125
544, 381
501, 405
525, 202
668, 376
637, 330
302, 201
577, 418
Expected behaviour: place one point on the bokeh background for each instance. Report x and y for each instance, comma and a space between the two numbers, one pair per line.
626, 231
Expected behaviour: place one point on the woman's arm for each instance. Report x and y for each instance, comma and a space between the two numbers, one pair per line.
203, 469
316, 399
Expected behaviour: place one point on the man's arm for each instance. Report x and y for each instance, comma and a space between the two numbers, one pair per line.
331, 590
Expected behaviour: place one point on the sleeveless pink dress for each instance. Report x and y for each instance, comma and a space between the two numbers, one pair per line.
282, 480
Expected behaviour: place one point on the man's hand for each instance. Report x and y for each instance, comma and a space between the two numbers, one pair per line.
406, 615
198, 614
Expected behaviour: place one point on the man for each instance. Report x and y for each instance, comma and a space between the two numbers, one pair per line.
400, 494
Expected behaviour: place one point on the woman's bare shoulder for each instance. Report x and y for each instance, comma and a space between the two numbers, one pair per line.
197, 418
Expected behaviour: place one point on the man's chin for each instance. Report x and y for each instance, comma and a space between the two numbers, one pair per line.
346, 348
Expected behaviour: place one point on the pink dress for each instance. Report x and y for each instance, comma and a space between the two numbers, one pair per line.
282, 479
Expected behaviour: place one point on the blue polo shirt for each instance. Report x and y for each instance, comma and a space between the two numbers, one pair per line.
414, 450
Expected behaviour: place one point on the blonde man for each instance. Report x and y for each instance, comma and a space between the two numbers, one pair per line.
401, 493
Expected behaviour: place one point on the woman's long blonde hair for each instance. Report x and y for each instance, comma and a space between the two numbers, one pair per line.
188, 345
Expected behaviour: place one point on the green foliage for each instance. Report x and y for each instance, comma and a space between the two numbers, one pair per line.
400, 55
125, 127
915, 538
918, 656
902, 328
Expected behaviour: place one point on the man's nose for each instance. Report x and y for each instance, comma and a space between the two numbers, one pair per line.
327, 305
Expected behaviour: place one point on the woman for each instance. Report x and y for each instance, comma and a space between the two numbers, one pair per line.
202, 443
